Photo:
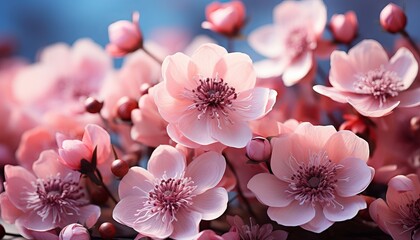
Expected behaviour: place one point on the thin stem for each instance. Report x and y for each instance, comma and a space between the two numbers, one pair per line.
13, 234
152, 56
407, 36
105, 187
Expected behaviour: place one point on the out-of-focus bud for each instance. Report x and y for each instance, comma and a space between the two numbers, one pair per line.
344, 27
125, 106
124, 36
393, 18
119, 168
258, 149
225, 18
354, 123
107, 230
74, 231
92, 105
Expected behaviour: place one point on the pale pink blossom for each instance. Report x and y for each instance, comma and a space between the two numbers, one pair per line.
50, 197
399, 215
210, 96
371, 82
318, 173
344, 27
124, 37
169, 199
74, 231
225, 18
292, 41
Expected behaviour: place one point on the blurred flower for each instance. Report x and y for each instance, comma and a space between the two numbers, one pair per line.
344, 27
51, 197
399, 215
318, 173
169, 199
210, 97
225, 18
74, 231
258, 149
124, 36
393, 18
371, 82
292, 41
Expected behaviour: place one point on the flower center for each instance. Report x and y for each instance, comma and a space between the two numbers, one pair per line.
380, 83
298, 42
56, 196
410, 216
213, 97
167, 198
316, 181
254, 231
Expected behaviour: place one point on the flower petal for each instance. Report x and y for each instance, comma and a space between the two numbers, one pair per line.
157, 226
298, 69
235, 134
354, 177
206, 57
409, 98
292, 215
343, 73
269, 190
266, 40
286, 154
253, 104
332, 93
166, 161
368, 55
194, 128
350, 206
211, 204
369, 106
178, 72
405, 65
137, 182
48, 164
170, 108
315, 137
344, 144
319, 223
270, 68
126, 209
187, 225
19, 181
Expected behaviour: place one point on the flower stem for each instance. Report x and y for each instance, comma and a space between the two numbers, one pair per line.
102, 184
152, 56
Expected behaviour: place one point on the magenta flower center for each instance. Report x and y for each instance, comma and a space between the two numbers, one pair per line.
167, 198
380, 83
255, 232
315, 182
56, 197
213, 97
298, 42
410, 216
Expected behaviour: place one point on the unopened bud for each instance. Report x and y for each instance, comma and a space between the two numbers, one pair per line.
119, 168
125, 106
92, 105
393, 18
344, 27
74, 231
258, 149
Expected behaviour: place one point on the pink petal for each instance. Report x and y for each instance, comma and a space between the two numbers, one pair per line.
266, 40
369, 106
350, 207
269, 190
409, 98
354, 177
206, 58
195, 129
253, 104
343, 73
324, 48
236, 69
9, 213
380, 213
137, 182
298, 69
72, 152
32, 221
212, 164
405, 65
125, 210
88, 217
319, 223
332, 93
315, 136
171, 109
96, 136
49, 164
211, 204
401, 191
19, 181
177, 136
155, 227
344, 144
270, 68
187, 225
178, 72
287, 152
292, 215
166, 161
368, 55
235, 134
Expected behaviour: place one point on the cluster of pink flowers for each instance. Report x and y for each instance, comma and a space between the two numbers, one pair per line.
204, 143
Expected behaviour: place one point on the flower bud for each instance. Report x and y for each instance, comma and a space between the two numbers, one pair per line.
107, 230
119, 168
125, 106
124, 37
92, 105
74, 231
344, 27
225, 18
258, 149
393, 18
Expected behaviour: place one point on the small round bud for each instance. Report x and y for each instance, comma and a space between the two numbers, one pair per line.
258, 149
119, 168
125, 106
2, 232
92, 105
344, 27
98, 195
393, 18
415, 124
107, 230
74, 231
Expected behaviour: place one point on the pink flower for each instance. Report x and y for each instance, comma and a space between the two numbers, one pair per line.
344, 27
399, 215
292, 41
225, 18
124, 37
241, 231
318, 173
258, 149
210, 97
49, 198
393, 18
169, 199
371, 82
74, 231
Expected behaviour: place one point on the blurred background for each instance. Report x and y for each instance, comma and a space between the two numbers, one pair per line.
32, 25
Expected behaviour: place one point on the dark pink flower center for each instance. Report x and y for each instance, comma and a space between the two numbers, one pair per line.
213, 97
167, 198
299, 41
380, 83
315, 182
410, 216
56, 197
254, 231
